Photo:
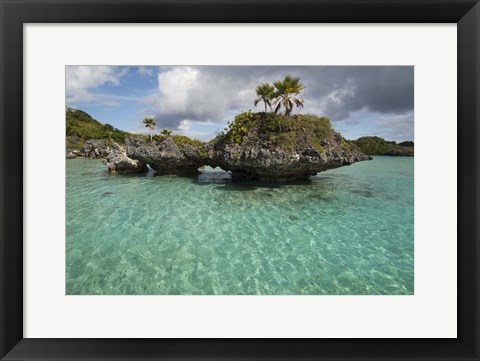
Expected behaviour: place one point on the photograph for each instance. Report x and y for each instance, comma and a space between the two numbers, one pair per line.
239, 180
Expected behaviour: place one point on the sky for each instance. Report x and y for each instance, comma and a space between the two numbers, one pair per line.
197, 101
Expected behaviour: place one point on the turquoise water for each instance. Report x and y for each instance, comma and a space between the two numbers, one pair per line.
347, 231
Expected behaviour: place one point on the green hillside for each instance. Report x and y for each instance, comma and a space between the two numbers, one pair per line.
81, 127
380, 146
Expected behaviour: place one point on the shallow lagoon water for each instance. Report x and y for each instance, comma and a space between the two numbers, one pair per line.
347, 231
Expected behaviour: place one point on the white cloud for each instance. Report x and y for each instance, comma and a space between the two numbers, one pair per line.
199, 95
144, 71
185, 125
80, 80
174, 87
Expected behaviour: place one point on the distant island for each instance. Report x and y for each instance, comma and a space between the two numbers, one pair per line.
380, 146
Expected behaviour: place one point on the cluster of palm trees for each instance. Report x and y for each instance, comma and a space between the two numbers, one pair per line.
150, 123
282, 93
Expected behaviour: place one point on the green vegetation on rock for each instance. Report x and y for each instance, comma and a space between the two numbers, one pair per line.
272, 130
182, 140
379, 146
241, 125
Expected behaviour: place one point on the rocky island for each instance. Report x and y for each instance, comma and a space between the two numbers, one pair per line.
263, 146
266, 146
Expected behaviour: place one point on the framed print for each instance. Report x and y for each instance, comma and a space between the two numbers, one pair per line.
238, 180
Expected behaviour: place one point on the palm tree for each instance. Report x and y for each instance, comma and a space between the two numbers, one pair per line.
150, 124
264, 93
285, 94
166, 132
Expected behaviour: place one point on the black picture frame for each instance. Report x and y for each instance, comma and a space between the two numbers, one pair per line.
15, 13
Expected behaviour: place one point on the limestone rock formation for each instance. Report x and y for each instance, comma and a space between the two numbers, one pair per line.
94, 149
258, 146
164, 155
118, 162
260, 160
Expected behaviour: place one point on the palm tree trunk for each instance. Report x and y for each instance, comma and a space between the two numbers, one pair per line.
265, 107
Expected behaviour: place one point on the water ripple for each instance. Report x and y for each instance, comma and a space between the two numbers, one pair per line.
346, 231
